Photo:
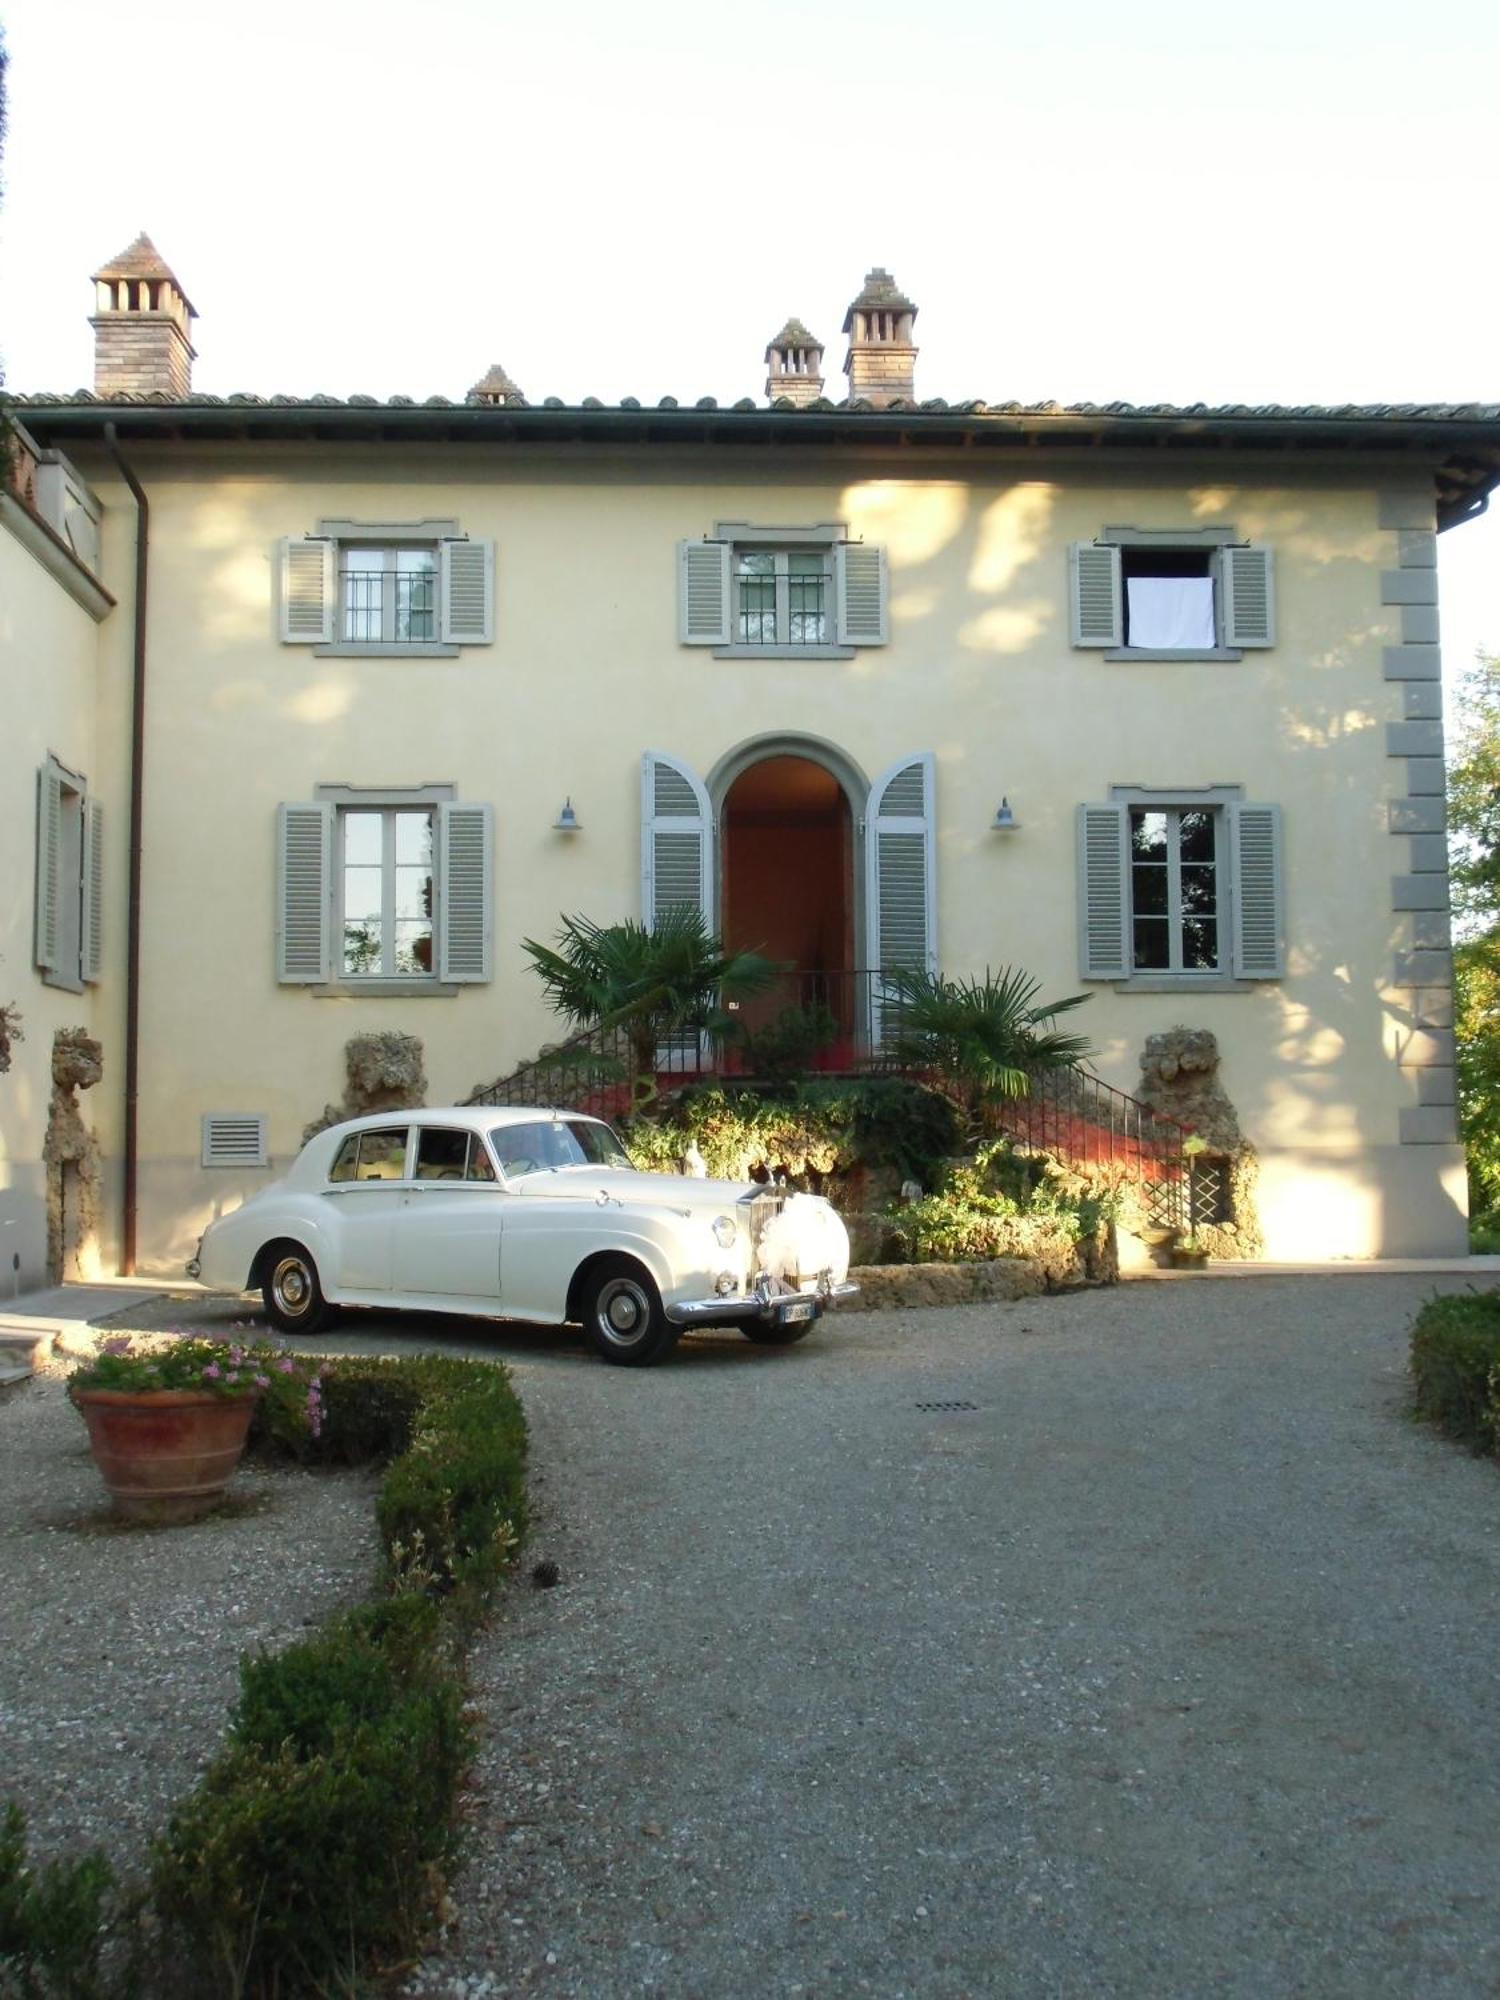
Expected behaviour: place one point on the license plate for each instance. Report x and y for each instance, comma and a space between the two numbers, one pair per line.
793, 1314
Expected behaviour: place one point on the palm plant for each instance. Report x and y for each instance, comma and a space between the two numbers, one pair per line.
983, 1039
653, 983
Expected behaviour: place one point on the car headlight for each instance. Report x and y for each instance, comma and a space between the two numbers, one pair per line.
724, 1231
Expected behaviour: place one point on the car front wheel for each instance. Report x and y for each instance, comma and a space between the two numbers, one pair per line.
293, 1297
622, 1316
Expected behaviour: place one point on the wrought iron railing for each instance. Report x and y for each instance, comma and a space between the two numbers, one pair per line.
388, 607
1069, 1115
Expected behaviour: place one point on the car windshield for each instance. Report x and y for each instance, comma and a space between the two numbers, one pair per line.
553, 1144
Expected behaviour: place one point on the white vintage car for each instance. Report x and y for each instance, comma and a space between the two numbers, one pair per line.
530, 1215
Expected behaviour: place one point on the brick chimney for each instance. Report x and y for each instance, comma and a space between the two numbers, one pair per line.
142, 323
881, 363
794, 366
495, 388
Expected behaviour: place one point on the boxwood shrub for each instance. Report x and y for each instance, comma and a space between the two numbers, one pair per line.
314, 1850
1455, 1365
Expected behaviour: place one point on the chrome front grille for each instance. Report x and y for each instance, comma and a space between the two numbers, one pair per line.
762, 1208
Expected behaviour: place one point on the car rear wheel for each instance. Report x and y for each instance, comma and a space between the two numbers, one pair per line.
289, 1285
622, 1315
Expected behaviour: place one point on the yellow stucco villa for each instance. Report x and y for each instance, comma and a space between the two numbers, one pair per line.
315, 709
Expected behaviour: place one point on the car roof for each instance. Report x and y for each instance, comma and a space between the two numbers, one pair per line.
472, 1117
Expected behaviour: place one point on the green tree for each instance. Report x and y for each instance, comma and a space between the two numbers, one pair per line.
1474, 857
653, 983
982, 1039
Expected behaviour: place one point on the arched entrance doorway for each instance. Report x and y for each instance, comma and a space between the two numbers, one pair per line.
786, 883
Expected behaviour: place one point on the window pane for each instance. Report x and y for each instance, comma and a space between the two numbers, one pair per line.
343, 1163
382, 1155
362, 947
413, 945
1148, 890
412, 562
362, 837
520, 1146
1151, 952
805, 565
806, 601
480, 1167
441, 1154
1148, 835
1198, 892
1197, 835
753, 564
757, 600
1200, 944
413, 837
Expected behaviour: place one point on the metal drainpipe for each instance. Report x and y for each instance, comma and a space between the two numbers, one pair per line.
133, 918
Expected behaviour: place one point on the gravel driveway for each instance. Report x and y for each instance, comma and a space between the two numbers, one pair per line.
1156, 1656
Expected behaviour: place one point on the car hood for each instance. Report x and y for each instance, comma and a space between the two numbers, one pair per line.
625, 1184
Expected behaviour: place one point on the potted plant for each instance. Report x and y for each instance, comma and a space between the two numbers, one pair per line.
168, 1420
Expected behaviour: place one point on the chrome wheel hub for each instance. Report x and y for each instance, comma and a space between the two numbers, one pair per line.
291, 1285
623, 1312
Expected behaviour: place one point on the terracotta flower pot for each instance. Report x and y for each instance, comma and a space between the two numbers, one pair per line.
165, 1454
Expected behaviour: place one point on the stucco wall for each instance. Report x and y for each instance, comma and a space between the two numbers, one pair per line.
586, 673
48, 646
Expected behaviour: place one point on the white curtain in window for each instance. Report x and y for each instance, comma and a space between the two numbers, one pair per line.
1171, 613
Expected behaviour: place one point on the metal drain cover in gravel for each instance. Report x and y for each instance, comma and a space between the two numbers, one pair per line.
947, 1406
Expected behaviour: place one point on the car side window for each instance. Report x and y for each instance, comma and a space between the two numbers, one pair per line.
481, 1168
441, 1153
382, 1155
343, 1161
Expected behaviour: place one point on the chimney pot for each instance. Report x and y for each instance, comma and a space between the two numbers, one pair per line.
143, 325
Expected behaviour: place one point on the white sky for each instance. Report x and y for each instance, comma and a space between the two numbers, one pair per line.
1294, 202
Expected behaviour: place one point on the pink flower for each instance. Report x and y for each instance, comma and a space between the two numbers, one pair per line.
287, 1367
213, 1371
117, 1344
232, 1376
262, 1381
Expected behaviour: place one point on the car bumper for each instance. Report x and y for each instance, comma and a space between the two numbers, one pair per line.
772, 1308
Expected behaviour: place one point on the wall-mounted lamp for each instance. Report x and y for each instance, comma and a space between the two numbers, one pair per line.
567, 820
1005, 820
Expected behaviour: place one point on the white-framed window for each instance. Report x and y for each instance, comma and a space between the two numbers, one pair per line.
69, 940
388, 595
1165, 594
1176, 879
384, 891
1180, 887
388, 588
781, 593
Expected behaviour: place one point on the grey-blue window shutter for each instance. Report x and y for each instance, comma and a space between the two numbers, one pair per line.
1249, 581
92, 939
1255, 849
304, 881
1103, 892
48, 851
465, 870
676, 835
467, 592
703, 593
901, 875
1095, 598
307, 590
861, 594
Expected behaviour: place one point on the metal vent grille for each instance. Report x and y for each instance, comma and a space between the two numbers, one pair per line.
234, 1139
947, 1406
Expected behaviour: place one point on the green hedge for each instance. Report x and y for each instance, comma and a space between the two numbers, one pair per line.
314, 1850
1455, 1364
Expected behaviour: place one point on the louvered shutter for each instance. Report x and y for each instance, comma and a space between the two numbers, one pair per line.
48, 852
307, 579
304, 875
467, 592
861, 594
465, 869
1249, 597
1255, 863
1094, 594
676, 825
93, 893
703, 593
1103, 892
900, 861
